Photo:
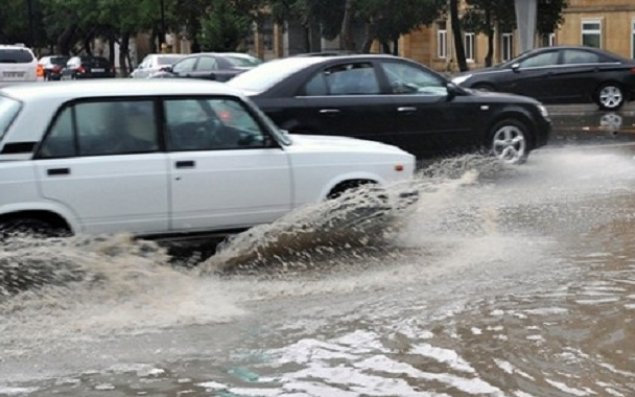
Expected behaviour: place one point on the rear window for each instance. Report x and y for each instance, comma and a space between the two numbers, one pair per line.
9, 108
59, 60
243, 61
15, 55
266, 75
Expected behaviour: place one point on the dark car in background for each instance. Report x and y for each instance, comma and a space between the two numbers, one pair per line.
210, 65
394, 100
87, 67
52, 66
561, 74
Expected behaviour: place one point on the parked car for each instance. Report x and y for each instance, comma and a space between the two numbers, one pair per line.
17, 64
393, 100
87, 67
51, 66
210, 66
561, 74
153, 63
154, 158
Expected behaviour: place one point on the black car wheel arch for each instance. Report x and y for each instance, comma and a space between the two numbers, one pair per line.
610, 96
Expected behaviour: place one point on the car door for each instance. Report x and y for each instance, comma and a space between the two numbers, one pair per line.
226, 172
102, 160
533, 76
347, 99
429, 120
578, 76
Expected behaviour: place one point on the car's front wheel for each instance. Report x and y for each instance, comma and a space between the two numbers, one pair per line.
610, 96
509, 141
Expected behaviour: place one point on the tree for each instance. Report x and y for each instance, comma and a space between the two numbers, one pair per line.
226, 25
550, 15
488, 16
458, 35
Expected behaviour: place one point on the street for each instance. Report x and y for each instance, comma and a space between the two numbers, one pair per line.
501, 281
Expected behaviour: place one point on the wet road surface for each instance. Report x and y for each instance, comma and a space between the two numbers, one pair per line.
501, 281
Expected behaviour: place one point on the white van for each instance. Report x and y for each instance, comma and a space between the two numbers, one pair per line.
17, 64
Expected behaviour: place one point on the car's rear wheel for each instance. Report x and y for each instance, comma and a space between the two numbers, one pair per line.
29, 226
509, 141
610, 96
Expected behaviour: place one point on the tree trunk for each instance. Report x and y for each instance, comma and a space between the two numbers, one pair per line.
123, 53
65, 40
346, 33
490, 39
458, 36
369, 37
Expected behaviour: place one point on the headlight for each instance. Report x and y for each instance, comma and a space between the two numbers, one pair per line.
543, 111
461, 79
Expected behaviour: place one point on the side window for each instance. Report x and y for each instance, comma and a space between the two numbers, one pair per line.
211, 124
572, 57
60, 141
544, 59
407, 79
186, 65
316, 86
352, 79
207, 63
116, 127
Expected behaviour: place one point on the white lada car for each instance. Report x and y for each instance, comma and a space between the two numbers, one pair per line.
165, 157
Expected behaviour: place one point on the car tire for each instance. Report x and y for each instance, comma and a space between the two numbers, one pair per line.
28, 226
610, 96
509, 141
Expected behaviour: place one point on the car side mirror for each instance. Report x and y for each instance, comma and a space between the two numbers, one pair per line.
453, 90
212, 76
515, 67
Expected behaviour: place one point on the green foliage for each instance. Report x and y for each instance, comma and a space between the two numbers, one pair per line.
225, 26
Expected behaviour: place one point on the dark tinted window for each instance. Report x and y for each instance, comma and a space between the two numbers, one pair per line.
544, 59
16, 55
58, 60
207, 63
352, 79
186, 65
316, 86
578, 56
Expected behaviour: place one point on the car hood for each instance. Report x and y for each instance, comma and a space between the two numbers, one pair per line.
501, 97
342, 144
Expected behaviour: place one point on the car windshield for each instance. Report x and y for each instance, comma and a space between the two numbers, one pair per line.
17, 55
9, 108
243, 60
266, 75
59, 60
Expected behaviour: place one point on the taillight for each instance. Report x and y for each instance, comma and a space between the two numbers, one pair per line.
632, 70
39, 71
57, 68
81, 69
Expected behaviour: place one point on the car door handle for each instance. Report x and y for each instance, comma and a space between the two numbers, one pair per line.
58, 171
329, 111
185, 164
406, 109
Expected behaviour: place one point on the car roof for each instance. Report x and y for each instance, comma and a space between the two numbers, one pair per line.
67, 90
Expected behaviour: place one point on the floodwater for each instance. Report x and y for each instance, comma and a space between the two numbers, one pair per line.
499, 281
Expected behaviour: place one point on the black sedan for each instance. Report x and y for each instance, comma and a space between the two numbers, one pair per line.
563, 74
393, 100
87, 67
219, 66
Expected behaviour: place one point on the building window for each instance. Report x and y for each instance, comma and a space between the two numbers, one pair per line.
633, 40
592, 33
548, 39
442, 40
507, 41
469, 47
552, 39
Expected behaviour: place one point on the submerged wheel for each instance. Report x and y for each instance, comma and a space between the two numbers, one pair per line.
510, 141
28, 226
610, 96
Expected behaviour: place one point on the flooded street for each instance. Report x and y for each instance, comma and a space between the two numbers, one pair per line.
500, 281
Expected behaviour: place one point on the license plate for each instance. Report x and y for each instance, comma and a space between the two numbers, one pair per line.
12, 75
99, 70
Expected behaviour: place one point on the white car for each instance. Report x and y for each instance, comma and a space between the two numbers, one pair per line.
153, 63
17, 64
161, 157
